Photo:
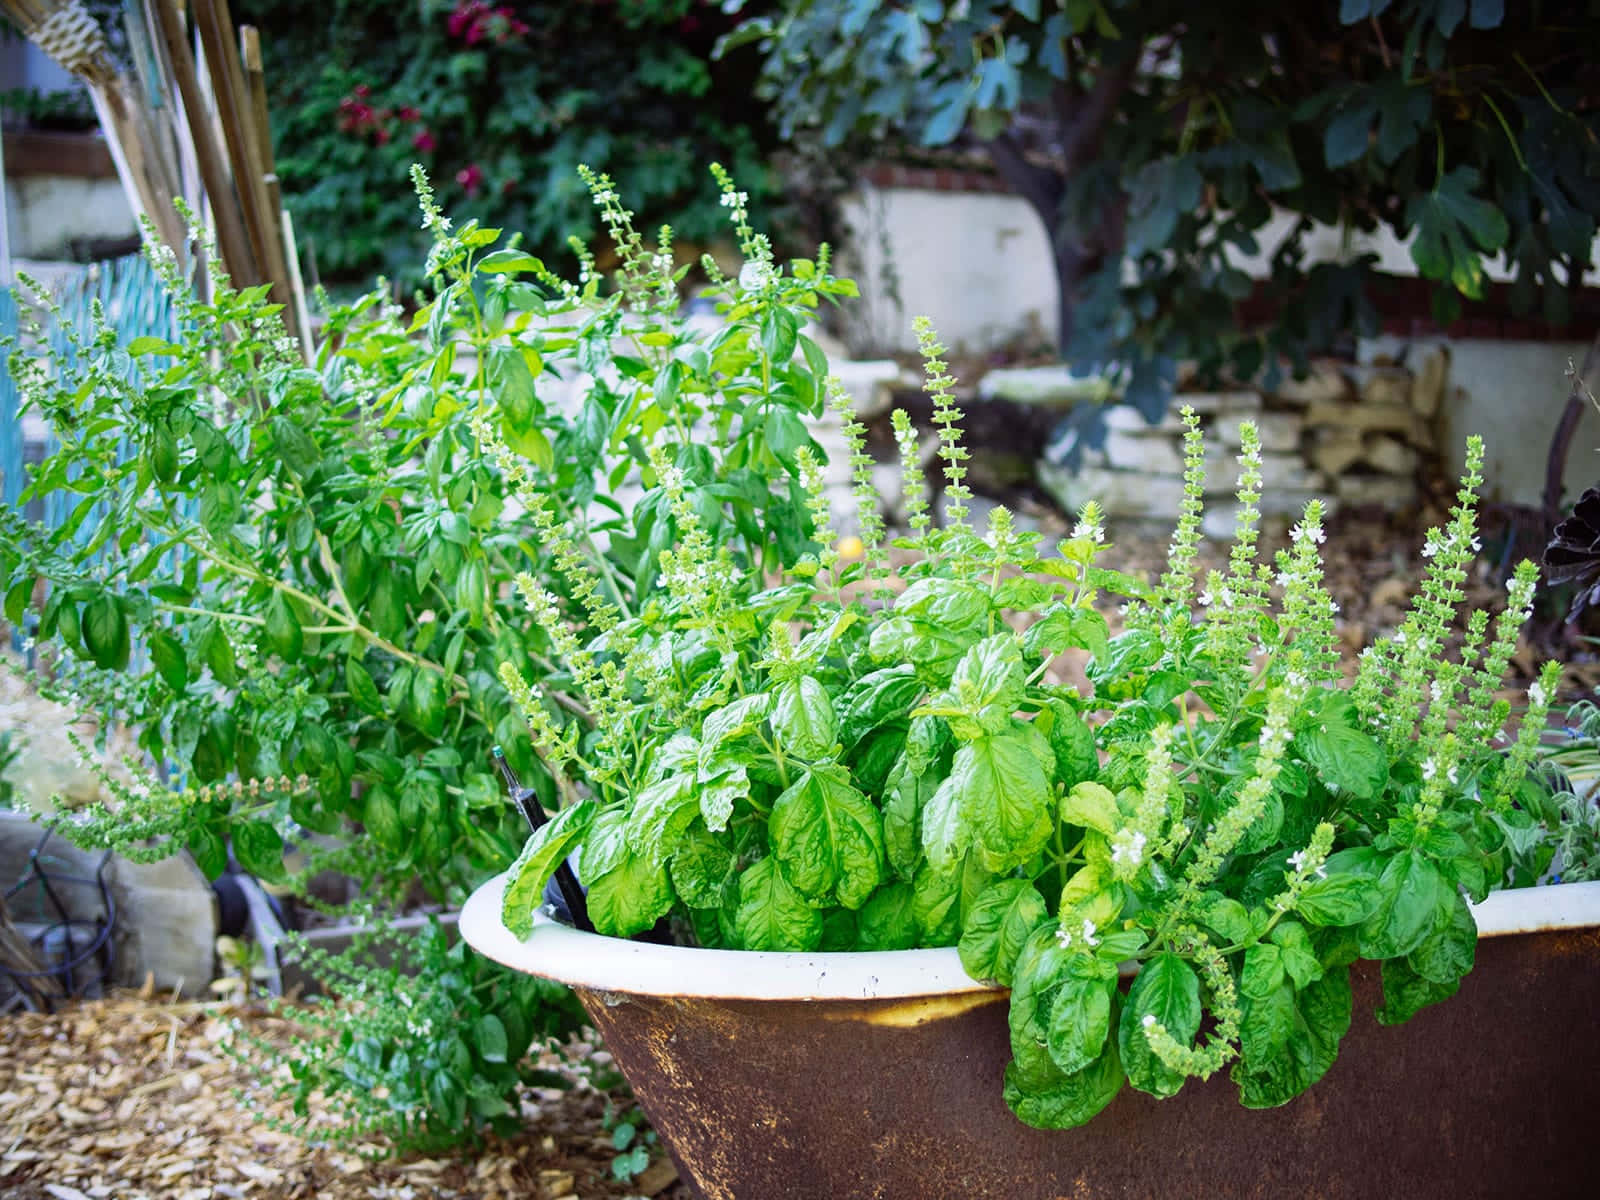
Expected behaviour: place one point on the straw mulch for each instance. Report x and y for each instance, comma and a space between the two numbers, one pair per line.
128, 1098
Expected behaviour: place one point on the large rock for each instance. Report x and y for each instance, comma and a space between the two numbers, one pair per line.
1388, 491
1387, 385
1120, 493
1429, 383
1399, 419
165, 919
1335, 451
1129, 421
1051, 387
1279, 472
870, 382
1149, 455
1207, 404
1221, 519
1279, 432
1391, 456
1325, 383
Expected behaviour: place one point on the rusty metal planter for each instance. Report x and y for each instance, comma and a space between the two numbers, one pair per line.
834, 1076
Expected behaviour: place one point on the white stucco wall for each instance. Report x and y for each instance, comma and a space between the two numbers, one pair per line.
1512, 394
44, 212
977, 263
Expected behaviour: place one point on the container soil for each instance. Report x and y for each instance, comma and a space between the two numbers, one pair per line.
879, 1075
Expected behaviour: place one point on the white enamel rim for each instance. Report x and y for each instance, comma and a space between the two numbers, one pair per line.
605, 964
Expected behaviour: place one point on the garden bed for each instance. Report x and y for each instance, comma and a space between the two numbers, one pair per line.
130, 1098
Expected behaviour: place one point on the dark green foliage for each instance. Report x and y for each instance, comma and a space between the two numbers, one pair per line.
1156, 139
501, 118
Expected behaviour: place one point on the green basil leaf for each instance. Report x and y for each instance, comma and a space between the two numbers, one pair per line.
1003, 792
701, 869
828, 838
259, 849
1299, 956
661, 814
362, 689
1072, 742
105, 632
876, 699
1263, 970
989, 681
209, 850
1345, 758
1080, 1021
631, 897
1092, 806
283, 635
802, 719
428, 696
1065, 1101
1406, 992
997, 927
166, 654
382, 818
1168, 989
1266, 1024
936, 904
1451, 945
771, 914
1409, 890
489, 1037
888, 919
1224, 916
1322, 1015
545, 850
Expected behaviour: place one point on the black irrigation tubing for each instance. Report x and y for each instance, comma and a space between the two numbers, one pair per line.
65, 972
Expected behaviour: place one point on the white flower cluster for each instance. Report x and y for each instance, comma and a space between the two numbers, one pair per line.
1064, 939
1128, 847
1297, 862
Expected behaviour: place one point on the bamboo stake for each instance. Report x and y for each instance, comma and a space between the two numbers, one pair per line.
227, 90
264, 180
302, 313
232, 239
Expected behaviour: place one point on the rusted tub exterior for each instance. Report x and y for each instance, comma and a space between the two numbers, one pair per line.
843, 1076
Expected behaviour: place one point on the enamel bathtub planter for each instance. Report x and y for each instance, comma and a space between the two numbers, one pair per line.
848, 1075
965, 928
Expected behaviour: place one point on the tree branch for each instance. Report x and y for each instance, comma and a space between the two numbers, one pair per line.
1083, 129
1040, 186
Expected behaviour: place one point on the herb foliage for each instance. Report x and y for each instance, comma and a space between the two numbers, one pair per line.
873, 755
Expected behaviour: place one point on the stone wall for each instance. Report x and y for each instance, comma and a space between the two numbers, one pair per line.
1349, 435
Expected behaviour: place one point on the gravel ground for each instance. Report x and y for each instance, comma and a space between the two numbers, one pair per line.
129, 1098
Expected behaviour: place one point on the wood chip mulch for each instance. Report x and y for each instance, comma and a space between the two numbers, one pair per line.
127, 1098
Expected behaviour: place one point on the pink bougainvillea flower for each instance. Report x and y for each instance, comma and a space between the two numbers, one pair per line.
382, 135
470, 177
424, 141
407, 113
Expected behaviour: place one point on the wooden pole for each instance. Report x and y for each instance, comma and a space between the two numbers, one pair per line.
232, 239
264, 180
227, 89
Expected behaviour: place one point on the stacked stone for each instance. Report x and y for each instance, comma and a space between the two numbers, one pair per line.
1345, 435
1369, 430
